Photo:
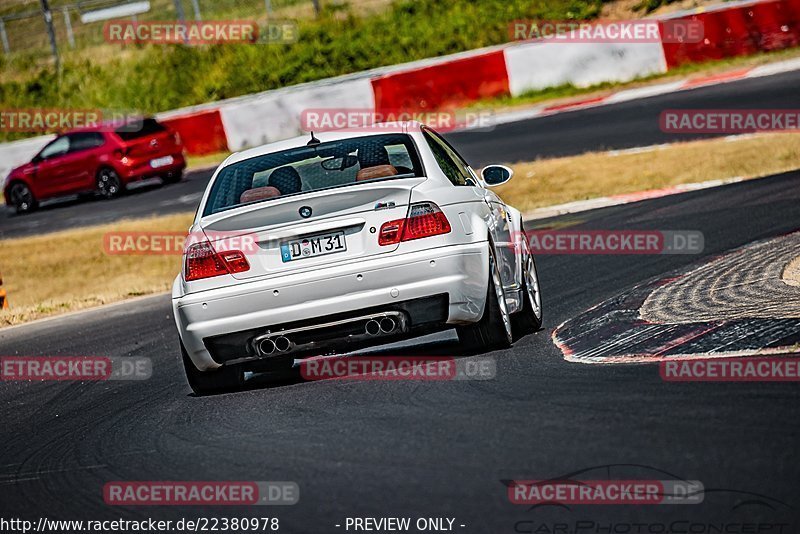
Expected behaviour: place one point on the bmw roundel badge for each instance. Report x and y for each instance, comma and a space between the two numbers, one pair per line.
305, 212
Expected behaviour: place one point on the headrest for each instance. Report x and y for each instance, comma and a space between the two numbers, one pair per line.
372, 155
286, 180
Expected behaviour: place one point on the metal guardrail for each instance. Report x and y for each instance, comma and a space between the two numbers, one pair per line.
18, 31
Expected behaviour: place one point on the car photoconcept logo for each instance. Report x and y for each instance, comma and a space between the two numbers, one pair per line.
305, 212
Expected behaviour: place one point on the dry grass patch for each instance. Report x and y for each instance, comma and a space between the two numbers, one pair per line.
555, 181
791, 274
70, 270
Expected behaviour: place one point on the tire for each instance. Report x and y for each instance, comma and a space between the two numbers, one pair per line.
22, 198
493, 331
109, 184
172, 177
529, 319
209, 382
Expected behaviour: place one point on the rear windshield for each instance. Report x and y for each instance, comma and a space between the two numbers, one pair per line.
311, 168
137, 129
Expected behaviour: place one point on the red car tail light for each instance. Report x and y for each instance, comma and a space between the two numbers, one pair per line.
424, 220
203, 262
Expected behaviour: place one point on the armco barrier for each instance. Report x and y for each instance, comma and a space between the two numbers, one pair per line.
726, 35
739, 30
444, 85
275, 115
202, 132
538, 65
776, 24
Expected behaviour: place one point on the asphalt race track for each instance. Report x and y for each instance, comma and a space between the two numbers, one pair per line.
618, 126
425, 449
624, 125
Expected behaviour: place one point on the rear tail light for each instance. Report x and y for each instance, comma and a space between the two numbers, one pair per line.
424, 220
203, 262
391, 232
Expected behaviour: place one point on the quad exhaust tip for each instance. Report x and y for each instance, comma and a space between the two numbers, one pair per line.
384, 325
279, 342
373, 327
269, 346
282, 344
387, 325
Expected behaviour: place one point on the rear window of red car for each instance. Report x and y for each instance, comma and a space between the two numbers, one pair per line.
139, 129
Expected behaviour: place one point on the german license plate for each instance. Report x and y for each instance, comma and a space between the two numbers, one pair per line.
311, 247
161, 162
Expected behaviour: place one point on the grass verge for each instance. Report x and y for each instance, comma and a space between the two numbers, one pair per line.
209, 160
555, 181
70, 270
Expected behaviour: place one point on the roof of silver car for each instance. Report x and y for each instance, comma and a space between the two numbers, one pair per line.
333, 135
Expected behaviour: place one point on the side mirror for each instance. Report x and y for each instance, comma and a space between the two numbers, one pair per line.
496, 175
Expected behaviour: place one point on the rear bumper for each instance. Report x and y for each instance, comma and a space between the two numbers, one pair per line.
458, 272
349, 331
139, 169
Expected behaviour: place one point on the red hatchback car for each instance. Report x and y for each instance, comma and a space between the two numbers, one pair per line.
102, 160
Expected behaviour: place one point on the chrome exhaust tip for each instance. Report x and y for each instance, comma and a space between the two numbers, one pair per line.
266, 346
387, 325
282, 344
373, 327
